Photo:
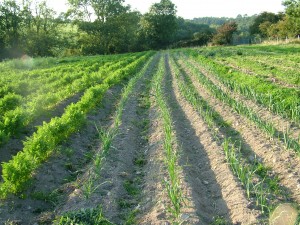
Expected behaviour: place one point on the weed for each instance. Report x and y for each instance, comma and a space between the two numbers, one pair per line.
50, 197
131, 187
124, 204
84, 216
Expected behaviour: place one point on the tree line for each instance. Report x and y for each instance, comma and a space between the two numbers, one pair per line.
282, 25
109, 26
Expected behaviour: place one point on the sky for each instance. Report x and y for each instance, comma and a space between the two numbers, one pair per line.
189, 9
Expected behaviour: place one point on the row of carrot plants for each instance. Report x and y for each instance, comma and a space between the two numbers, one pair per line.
18, 171
107, 136
240, 108
30, 81
13, 121
38, 86
280, 100
257, 184
172, 183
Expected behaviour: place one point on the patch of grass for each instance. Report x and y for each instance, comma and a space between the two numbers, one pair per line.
84, 217
69, 166
140, 162
131, 218
70, 178
131, 187
124, 204
218, 220
50, 197
67, 151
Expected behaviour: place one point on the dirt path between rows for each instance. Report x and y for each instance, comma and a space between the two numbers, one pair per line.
214, 190
56, 177
284, 163
130, 184
280, 123
154, 196
125, 166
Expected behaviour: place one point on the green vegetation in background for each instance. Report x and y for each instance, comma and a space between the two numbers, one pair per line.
92, 27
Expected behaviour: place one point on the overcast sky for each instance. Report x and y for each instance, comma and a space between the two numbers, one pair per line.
190, 9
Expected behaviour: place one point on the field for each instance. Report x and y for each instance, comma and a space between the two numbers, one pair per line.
185, 136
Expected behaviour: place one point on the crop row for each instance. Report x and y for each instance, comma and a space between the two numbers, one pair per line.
172, 182
34, 84
242, 109
266, 68
90, 184
37, 149
280, 100
13, 121
262, 64
257, 184
30, 82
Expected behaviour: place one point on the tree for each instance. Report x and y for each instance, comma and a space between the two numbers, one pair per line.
113, 30
224, 34
102, 10
10, 22
267, 18
159, 24
293, 15
292, 8
41, 35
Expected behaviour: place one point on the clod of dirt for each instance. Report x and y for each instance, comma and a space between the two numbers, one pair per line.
284, 214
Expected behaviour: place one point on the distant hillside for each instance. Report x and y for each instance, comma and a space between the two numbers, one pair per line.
211, 21
244, 22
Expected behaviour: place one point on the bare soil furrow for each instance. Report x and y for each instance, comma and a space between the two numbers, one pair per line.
120, 169
56, 178
280, 123
121, 178
284, 163
154, 197
212, 186
125, 167
154, 202
190, 211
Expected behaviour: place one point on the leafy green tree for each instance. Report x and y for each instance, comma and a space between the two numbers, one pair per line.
159, 24
41, 36
225, 33
267, 18
292, 8
192, 34
10, 22
113, 29
293, 13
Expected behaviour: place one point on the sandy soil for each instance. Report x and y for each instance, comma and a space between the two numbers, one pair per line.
51, 181
280, 123
284, 163
15, 144
131, 183
215, 190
